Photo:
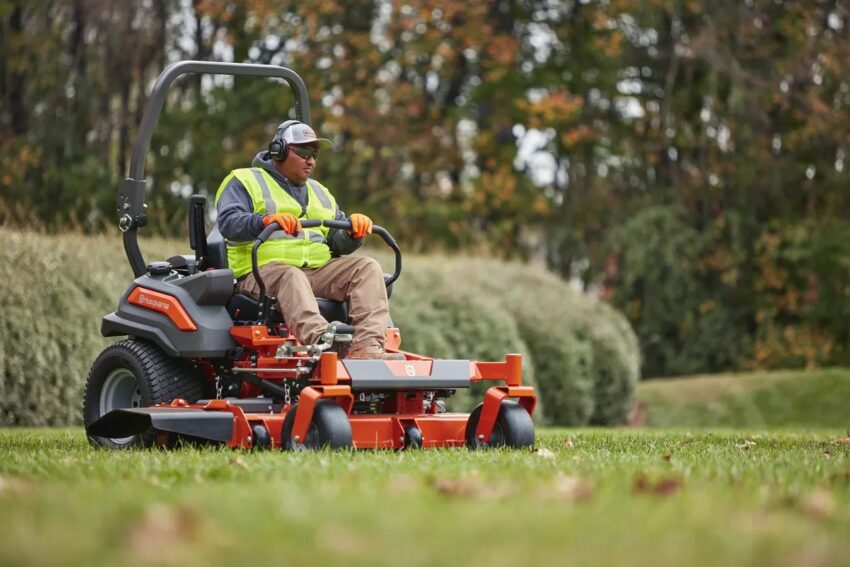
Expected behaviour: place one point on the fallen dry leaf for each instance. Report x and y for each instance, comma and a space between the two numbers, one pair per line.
840, 477
13, 485
569, 443
666, 458
664, 486
161, 528
471, 488
843, 440
746, 445
637, 415
401, 484
237, 462
455, 487
345, 540
569, 488
819, 504
544, 453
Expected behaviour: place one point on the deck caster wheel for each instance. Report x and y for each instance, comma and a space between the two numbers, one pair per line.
262, 439
412, 437
513, 428
329, 428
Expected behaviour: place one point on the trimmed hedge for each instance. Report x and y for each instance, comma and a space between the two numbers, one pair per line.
445, 320
54, 292
585, 355
580, 354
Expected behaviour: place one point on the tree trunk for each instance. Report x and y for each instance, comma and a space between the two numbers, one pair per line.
17, 79
76, 136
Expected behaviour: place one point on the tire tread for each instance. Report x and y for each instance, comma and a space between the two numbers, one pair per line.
167, 378
514, 420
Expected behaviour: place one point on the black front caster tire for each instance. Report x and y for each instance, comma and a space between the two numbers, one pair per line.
412, 437
135, 374
513, 428
262, 438
329, 428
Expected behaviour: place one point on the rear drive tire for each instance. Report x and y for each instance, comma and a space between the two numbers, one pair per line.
133, 373
329, 428
513, 428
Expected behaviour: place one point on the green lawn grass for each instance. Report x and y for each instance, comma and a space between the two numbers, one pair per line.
784, 399
603, 497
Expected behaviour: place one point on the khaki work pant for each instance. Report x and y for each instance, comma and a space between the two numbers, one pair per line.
359, 280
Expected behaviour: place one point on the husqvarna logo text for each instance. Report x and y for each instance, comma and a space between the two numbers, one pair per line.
153, 302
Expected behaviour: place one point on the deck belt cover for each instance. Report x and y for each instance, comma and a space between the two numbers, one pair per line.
376, 375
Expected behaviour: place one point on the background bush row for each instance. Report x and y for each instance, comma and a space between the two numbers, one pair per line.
581, 354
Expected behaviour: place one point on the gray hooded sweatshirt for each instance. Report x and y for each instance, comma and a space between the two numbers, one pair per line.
237, 220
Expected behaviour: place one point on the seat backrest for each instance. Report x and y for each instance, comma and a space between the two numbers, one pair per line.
197, 231
217, 249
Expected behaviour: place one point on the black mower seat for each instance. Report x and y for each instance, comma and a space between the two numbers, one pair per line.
245, 308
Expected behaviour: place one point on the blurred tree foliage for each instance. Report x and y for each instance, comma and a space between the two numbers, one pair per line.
683, 158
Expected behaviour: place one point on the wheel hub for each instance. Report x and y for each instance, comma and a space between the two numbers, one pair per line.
120, 391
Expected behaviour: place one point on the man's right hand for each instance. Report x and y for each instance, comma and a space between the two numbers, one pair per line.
288, 223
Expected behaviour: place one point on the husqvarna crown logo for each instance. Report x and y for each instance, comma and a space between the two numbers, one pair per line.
410, 370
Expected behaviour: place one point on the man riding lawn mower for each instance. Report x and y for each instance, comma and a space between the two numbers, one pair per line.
296, 264
256, 364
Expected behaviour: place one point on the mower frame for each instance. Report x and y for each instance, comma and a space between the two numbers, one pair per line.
179, 316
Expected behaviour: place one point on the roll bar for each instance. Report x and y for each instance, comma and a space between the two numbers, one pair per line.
131, 193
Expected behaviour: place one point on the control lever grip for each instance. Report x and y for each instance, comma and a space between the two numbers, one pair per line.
343, 329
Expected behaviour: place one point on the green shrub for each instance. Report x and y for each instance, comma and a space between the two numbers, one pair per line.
580, 354
801, 311
616, 362
439, 318
680, 289
585, 355
51, 304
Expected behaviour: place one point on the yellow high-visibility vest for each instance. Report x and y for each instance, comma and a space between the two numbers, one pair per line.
307, 250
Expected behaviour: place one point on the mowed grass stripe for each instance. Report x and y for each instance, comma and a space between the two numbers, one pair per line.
584, 496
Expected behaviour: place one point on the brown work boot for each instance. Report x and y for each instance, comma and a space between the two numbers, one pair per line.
374, 353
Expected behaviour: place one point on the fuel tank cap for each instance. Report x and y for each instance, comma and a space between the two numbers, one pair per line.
159, 268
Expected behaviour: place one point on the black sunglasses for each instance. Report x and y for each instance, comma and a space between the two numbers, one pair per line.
305, 153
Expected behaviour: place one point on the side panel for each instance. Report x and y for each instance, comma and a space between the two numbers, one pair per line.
211, 339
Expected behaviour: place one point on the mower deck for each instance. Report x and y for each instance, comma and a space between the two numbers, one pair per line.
259, 423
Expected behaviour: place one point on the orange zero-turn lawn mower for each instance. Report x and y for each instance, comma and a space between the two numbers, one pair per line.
205, 364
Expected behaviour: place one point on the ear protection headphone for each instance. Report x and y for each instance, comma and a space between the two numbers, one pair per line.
278, 146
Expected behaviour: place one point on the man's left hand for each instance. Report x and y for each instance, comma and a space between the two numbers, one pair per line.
361, 225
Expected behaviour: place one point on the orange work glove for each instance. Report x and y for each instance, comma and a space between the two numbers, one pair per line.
361, 225
288, 223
